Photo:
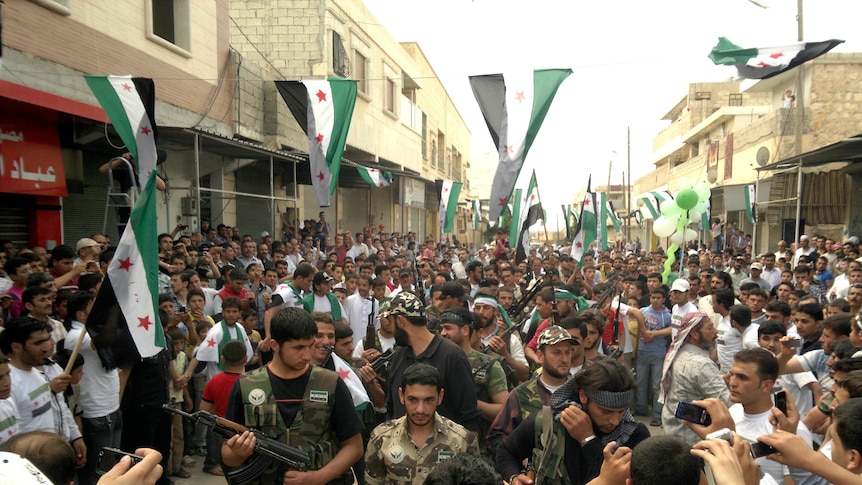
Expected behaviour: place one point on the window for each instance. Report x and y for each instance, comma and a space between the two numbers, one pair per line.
433, 150
424, 136
441, 158
390, 95
340, 59
169, 24
734, 100
360, 62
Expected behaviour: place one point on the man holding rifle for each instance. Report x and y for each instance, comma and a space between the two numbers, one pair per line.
309, 401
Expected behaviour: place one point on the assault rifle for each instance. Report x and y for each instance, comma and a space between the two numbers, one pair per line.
266, 450
369, 329
522, 304
382, 361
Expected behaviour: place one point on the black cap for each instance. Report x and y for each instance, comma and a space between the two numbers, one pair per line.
454, 290
321, 277
405, 272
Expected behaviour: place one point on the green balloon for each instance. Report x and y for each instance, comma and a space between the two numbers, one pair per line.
686, 199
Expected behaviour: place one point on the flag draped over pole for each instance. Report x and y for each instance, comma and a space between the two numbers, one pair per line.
533, 213
639, 217
374, 177
124, 323
750, 204
130, 104
585, 234
449, 193
515, 224
323, 108
477, 213
353, 382
765, 62
514, 108
566, 209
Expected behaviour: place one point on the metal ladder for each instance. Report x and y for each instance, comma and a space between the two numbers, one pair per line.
119, 200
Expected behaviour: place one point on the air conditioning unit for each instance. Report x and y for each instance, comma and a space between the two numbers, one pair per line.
189, 206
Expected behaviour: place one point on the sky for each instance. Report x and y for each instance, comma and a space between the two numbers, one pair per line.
632, 61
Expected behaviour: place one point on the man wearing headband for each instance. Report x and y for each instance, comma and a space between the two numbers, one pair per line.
456, 325
585, 415
512, 352
688, 373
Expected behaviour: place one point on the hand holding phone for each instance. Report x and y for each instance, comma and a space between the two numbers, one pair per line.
109, 457
781, 401
693, 413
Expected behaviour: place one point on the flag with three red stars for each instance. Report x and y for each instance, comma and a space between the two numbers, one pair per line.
448, 191
354, 383
323, 108
585, 234
765, 62
514, 108
124, 322
130, 104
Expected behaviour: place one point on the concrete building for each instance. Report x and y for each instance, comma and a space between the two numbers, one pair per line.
721, 133
229, 148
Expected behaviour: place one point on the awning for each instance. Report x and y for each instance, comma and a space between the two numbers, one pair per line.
846, 150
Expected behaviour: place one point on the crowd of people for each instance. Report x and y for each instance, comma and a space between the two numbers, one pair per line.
387, 359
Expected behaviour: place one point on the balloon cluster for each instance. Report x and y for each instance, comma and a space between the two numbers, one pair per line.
688, 206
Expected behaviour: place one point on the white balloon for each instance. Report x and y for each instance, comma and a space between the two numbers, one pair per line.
690, 235
703, 191
664, 226
676, 238
694, 214
684, 183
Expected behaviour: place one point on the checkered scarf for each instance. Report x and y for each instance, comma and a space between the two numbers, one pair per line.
566, 396
690, 322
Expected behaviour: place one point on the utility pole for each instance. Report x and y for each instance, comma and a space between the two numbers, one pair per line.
797, 125
629, 184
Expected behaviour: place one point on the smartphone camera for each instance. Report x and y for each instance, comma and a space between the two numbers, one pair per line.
793, 343
108, 457
781, 401
693, 413
759, 449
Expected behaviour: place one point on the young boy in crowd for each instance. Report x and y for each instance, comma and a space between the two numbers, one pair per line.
180, 399
249, 322
216, 396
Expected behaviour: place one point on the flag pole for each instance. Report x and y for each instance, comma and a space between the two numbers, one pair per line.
75, 350
544, 222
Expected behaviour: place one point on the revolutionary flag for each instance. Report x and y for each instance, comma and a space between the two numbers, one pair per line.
323, 108
601, 221
586, 231
375, 177
124, 323
477, 213
639, 217
750, 204
649, 203
514, 108
517, 202
449, 192
532, 214
566, 210
130, 104
765, 62
615, 219
704, 218
353, 382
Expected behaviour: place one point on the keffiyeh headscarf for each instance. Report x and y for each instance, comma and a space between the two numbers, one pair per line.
690, 322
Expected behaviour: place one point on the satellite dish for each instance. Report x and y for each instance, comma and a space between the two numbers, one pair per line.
712, 175
762, 156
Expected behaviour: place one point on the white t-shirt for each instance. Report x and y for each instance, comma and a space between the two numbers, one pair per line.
753, 426
357, 308
749, 337
8, 419
728, 343
100, 389
386, 343
39, 409
290, 296
677, 314
797, 386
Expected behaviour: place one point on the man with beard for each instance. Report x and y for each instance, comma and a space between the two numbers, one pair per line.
417, 344
491, 335
587, 415
555, 357
491, 389
406, 449
689, 374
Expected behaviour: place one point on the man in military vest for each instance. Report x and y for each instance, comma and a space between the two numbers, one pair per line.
456, 324
406, 449
567, 440
305, 406
555, 357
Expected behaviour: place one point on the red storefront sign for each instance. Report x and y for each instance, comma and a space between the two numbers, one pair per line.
30, 158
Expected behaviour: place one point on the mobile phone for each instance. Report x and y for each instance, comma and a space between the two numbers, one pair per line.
723, 433
781, 401
693, 413
108, 457
793, 343
759, 449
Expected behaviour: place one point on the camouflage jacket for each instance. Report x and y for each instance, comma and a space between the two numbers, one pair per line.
524, 400
392, 458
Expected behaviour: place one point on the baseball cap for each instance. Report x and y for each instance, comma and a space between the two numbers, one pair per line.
383, 310
264, 234
555, 334
404, 272
85, 243
454, 289
680, 285
321, 277
405, 304
757, 266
